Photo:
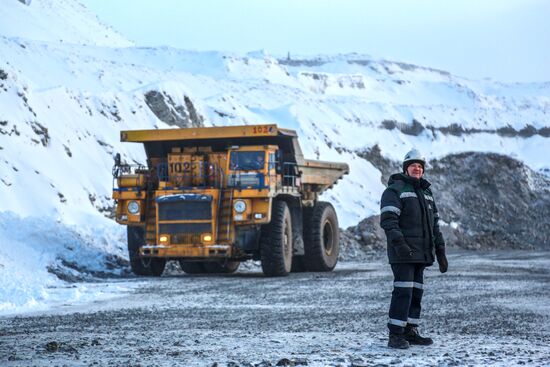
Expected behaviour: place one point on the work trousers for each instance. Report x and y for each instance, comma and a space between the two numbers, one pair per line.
406, 297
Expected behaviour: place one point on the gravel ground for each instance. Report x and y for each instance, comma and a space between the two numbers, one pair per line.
490, 309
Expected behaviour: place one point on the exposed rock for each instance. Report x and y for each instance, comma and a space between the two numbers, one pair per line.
105, 206
364, 241
167, 111
456, 130
414, 128
507, 131
26, 2
494, 201
304, 62
285, 362
196, 119
385, 165
62, 197
485, 200
51, 346
41, 131
72, 272
68, 151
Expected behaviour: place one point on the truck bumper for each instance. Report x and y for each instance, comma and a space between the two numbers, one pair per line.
197, 251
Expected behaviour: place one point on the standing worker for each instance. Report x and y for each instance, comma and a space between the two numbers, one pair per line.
409, 217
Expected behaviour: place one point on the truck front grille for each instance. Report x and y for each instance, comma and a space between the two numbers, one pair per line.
185, 228
178, 215
185, 210
185, 238
185, 207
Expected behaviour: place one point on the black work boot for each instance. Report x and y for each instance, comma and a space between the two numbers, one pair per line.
411, 335
398, 341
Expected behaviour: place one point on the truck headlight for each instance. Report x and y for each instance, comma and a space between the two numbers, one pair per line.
133, 207
239, 206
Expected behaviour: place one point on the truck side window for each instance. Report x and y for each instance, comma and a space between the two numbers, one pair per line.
279, 161
272, 163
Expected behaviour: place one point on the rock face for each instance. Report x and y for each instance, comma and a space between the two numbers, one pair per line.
495, 201
363, 241
386, 166
486, 201
166, 110
26, 2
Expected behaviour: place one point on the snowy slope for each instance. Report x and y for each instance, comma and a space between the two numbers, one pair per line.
65, 21
84, 95
68, 88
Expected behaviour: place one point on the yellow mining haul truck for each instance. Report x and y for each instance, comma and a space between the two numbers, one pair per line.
213, 197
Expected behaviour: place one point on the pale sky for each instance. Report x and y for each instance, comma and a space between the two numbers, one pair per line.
506, 40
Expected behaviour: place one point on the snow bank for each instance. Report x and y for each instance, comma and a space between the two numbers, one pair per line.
36, 252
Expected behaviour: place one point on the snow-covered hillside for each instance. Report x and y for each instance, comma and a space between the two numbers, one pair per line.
67, 103
68, 87
63, 21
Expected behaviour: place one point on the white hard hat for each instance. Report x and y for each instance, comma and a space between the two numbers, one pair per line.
413, 156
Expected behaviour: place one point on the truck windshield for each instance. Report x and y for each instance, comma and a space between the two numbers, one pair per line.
247, 161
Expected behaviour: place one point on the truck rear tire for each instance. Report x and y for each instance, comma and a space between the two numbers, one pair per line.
192, 267
321, 237
276, 242
143, 266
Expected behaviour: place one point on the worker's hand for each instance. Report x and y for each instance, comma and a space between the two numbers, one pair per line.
402, 249
441, 258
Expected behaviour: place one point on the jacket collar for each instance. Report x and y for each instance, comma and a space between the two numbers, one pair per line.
416, 183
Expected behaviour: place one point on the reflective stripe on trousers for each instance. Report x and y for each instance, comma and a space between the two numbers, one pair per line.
408, 287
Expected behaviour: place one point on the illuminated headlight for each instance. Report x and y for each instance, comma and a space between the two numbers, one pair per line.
258, 215
133, 207
207, 237
163, 238
239, 206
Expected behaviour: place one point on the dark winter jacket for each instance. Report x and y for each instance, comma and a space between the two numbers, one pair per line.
409, 217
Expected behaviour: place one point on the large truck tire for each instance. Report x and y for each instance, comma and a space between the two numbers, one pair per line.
226, 267
192, 267
321, 237
276, 242
142, 266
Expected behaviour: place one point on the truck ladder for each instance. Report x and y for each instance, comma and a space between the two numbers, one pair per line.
225, 228
150, 220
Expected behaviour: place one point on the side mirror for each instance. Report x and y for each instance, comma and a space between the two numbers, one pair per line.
117, 159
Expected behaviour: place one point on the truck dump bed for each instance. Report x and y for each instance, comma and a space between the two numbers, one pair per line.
316, 176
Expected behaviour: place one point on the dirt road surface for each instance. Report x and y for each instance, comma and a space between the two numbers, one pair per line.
489, 309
